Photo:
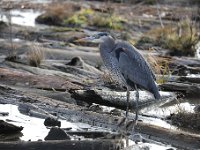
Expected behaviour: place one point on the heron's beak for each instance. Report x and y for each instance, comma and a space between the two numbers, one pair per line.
88, 39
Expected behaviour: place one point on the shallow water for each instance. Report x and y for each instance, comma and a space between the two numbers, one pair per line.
34, 128
25, 17
166, 111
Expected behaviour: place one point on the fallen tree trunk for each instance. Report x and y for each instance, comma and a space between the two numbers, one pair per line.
119, 100
26, 79
187, 89
192, 62
174, 78
175, 138
63, 144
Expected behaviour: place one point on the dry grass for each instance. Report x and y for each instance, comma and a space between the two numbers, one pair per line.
180, 39
56, 13
61, 10
186, 120
35, 55
159, 65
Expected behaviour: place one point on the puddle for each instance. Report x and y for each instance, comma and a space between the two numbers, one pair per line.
34, 128
24, 17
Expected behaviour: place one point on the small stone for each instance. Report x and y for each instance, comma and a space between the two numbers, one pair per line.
197, 109
51, 122
57, 134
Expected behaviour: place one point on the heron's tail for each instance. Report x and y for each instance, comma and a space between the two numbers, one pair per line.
157, 94
155, 91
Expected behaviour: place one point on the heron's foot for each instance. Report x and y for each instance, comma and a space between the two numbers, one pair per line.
126, 125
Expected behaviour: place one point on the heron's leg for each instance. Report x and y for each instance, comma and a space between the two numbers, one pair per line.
127, 109
137, 99
128, 101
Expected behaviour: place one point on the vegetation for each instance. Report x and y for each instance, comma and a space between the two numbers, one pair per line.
70, 15
56, 13
106, 21
79, 18
180, 40
186, 120
35, 56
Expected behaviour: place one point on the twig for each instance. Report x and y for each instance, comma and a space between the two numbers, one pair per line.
158, 12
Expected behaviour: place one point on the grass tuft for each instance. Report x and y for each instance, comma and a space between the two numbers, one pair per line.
35, 56
106, 21
180, 39
56, 13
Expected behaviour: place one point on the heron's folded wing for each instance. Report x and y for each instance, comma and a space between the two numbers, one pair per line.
134, 67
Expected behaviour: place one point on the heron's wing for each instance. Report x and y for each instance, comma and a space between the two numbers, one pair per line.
133, 66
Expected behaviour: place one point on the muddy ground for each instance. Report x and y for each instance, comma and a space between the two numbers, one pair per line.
45, 72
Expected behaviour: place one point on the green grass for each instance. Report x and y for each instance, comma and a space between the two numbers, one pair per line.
80, 18
92, 18
106, 21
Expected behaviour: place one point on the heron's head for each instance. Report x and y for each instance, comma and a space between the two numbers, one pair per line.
98, 37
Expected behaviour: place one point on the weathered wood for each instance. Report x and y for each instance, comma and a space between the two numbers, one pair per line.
75, 71
174, 78
76, 113
188, 61
175, 138
118, 99
63, 145
23, 78
188, 89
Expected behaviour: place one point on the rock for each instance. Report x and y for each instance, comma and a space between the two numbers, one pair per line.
52, 122
197, 109
57, 134
96, 108
7, 128
4, 113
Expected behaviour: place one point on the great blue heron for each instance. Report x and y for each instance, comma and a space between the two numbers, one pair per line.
126, 65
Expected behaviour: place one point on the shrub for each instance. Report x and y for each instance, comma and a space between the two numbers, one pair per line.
56, 13
79, 18
180, 40
106, 21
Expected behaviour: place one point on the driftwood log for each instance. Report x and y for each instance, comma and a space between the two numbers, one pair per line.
118, 99
45, 81
187, 89
63, 144
174, 78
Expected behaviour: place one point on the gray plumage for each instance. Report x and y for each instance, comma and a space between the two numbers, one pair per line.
127, 65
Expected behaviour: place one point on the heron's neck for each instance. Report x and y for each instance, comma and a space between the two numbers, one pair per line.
107, 44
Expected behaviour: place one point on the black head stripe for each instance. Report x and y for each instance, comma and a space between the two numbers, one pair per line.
103, 34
